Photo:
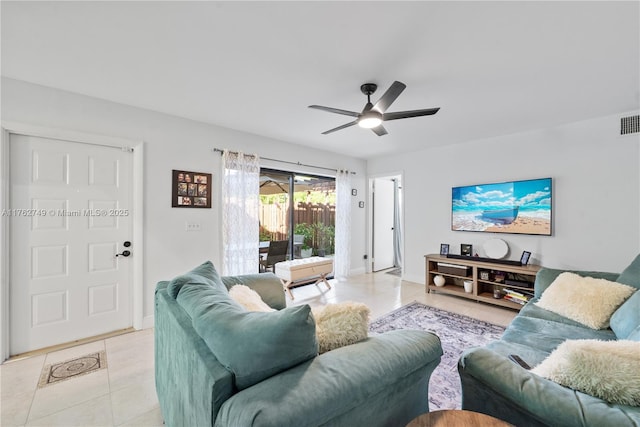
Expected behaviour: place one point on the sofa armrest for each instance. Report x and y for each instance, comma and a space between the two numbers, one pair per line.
381, 381
190, 382
546, 276
267, 285
494, 385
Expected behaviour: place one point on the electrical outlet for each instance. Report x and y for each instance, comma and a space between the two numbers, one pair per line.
193, 226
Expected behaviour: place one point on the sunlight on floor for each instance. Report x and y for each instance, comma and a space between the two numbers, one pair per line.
385, 292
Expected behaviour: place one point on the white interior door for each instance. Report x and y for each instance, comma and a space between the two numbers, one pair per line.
382, 224
70, 208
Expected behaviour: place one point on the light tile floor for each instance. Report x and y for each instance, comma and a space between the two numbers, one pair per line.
124, 393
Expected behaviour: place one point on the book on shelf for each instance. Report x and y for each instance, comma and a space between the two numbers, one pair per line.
512, 292
513, 296
523, 294
514, 299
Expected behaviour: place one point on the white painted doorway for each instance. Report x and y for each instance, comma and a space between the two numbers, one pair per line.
70, 215
383, 224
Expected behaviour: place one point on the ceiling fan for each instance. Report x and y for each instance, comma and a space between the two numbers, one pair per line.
372, 115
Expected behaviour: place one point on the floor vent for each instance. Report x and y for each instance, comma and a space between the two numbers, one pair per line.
629, 125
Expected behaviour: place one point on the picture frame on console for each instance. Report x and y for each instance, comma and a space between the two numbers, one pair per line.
466, 249
444, 249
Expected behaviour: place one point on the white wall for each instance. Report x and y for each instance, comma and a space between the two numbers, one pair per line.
595, 172
173, 143
596, 194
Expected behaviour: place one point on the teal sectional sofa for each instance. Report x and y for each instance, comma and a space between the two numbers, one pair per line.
218, 365
494, 385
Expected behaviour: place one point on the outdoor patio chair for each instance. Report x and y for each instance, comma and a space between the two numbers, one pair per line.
298, 241
277, 253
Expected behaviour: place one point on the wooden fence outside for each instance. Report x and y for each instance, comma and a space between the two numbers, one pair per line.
274, 218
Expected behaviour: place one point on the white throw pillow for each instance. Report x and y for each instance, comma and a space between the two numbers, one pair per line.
248, 298
341, 324
609, 370
586, 300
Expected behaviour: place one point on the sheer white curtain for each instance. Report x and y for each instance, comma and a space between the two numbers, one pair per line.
342, 262
240, 223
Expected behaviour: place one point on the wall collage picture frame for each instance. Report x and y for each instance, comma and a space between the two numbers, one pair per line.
190, 189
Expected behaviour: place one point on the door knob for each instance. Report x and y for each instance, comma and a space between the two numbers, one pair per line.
124, 254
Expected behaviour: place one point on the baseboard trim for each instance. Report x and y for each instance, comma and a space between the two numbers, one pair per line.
148, 322
69, 344
414, 279
357, 271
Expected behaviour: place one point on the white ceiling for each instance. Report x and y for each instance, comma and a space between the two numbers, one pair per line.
493, 68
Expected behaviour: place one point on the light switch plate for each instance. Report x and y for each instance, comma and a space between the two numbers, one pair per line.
193, 226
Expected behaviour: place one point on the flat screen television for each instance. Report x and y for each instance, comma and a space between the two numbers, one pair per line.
518, 207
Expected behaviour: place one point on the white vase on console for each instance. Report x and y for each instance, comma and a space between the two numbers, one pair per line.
438, 281
468, 286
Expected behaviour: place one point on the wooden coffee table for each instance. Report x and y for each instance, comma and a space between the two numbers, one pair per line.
456, 418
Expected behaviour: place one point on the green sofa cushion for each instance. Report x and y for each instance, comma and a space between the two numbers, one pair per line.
631, 275
627, 317
252, 345
204, 274
536, 332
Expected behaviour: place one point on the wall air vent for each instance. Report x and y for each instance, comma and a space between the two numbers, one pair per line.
629, 125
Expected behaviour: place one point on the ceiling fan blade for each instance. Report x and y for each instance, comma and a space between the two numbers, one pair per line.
335, 110
379, 130
406, 114
368, 106
389, 96
340, 127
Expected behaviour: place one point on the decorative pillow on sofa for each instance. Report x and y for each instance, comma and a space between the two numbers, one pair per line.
248, 298
337, 325
584, 299
252, 345
634, 335
205, 274
631, 274
341, 324
625, 322
627, 317
609, 370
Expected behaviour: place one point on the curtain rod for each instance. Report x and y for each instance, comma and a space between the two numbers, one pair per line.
285, 161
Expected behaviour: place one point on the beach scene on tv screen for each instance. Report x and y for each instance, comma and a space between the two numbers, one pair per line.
521, 207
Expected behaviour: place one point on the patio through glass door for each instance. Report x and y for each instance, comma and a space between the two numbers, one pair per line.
300, 209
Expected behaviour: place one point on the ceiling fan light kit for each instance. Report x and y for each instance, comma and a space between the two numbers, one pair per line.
372, 115
370, 119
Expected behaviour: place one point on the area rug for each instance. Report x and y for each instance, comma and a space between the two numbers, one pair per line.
73, 368
456, 332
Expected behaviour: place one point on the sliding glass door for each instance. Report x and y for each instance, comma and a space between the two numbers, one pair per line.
298, 208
